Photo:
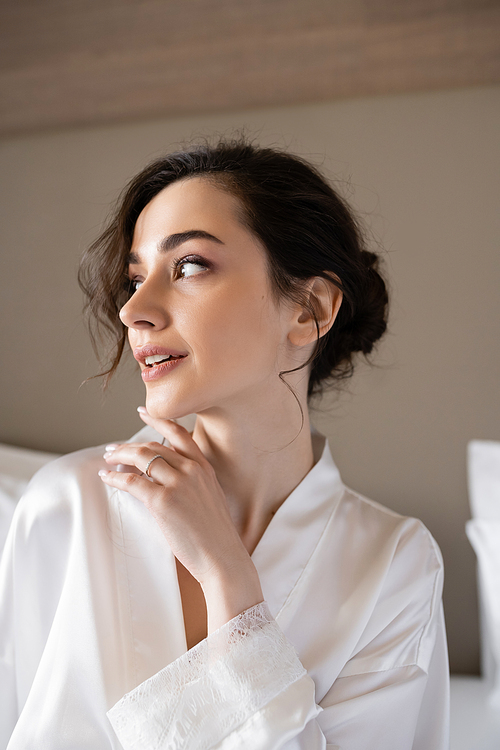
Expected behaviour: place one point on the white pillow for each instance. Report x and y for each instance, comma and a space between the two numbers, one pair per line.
484, 535
483, 470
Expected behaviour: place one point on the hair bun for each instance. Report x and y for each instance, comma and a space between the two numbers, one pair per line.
361, 322
369, 322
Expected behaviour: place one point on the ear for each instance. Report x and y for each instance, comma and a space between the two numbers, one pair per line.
325, 298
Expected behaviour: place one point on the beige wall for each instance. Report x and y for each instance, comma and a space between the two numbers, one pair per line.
423, 168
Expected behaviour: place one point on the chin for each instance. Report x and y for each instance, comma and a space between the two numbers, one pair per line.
164, 408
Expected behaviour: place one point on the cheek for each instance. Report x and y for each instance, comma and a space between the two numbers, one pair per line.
236, 326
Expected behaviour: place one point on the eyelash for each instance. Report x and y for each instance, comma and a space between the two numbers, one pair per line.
195, 260
176, 266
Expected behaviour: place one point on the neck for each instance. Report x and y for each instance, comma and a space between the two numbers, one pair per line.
259, 454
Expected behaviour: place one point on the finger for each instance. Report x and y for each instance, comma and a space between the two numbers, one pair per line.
139, 455
139, 487
176, 434
157, 423
125, 468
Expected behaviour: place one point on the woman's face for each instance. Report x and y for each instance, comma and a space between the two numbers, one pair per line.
203, 298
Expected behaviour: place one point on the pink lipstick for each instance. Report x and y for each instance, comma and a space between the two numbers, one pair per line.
157, 360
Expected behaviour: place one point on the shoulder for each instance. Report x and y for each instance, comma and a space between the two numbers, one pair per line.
69, 465
47, 486
369, 532
392, 534
68, 491
397, 549
57, 497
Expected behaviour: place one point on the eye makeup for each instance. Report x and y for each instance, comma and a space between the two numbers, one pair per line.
193, 260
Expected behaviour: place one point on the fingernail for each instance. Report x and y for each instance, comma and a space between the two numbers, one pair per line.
112, 447
142, 410
102, 472
108, 454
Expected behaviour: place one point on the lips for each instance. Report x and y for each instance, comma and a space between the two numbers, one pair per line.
151, 355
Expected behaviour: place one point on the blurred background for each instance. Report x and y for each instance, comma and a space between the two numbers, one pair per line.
397, 101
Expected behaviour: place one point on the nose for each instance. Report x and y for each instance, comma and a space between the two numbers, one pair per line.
145, 309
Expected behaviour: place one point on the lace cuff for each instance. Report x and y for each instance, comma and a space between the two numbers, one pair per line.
212, 689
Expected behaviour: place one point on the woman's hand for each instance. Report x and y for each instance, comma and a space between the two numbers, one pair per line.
187, 501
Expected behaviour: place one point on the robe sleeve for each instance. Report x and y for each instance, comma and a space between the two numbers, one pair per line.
223, 690
244, 688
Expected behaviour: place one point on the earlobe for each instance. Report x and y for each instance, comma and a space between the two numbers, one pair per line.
324, 298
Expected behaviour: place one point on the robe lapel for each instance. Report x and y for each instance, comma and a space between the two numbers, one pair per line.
284, 554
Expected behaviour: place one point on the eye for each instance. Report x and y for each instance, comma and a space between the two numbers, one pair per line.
130, 286
190, 266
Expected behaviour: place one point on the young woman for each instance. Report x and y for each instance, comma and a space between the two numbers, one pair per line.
224, 589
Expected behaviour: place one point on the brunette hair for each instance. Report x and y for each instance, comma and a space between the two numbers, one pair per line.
303, 223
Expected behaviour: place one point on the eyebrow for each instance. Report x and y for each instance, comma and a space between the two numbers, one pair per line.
174, 240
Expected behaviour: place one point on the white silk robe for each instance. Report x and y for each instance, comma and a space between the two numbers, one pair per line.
348, 652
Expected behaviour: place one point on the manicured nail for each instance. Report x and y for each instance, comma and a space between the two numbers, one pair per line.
142, 410
112, 447
102, 472
108, 454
